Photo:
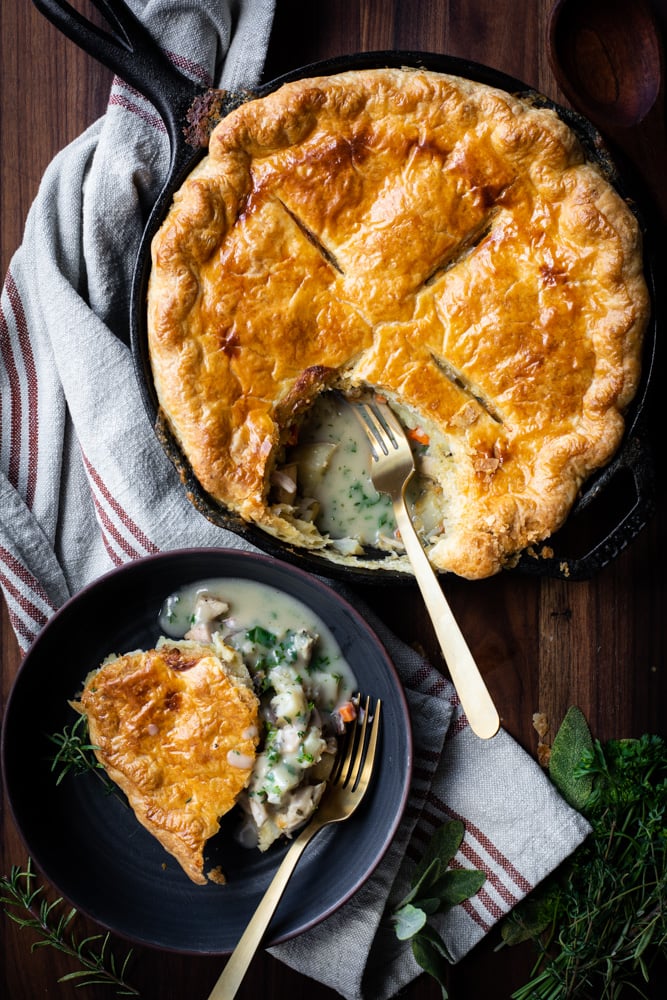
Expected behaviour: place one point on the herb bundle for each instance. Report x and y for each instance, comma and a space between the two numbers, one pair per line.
600, 923
436, 888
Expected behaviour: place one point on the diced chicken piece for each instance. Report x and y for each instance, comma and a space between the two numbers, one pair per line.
284, 482
201, 632
307, 509
289, 703
347, 546
208, 611
300, 807
209, 608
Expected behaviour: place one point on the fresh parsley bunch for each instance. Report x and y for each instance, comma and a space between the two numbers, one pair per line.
600, 924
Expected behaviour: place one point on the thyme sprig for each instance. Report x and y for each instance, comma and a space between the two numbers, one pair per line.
24, 902
601, 923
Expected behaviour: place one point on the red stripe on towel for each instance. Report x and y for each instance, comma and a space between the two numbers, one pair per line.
20, 600
110, 532
497, 856
39, 617
31, 379
15, 409
193, 68
120, 101
146, 544
474, 915
25, 576
498, 884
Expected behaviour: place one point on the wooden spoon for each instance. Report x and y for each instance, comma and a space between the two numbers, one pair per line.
607, 57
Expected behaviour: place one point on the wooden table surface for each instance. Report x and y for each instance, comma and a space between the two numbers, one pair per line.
542, 644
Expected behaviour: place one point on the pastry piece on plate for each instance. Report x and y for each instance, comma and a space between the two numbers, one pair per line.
176, 728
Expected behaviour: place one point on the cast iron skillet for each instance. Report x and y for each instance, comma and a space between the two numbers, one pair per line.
614, 505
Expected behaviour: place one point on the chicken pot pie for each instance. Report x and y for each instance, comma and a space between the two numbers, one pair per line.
421, 235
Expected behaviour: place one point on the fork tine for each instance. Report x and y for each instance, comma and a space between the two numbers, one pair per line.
382, 427
389, 421
359, 760
364, 418
374, 428
377, 427
344, 755
369, 761
355, 759
355, 765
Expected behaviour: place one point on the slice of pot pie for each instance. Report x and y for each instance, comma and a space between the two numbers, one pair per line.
176, 728
424, 236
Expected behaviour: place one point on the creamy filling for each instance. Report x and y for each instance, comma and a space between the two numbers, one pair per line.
325, 479
303, 682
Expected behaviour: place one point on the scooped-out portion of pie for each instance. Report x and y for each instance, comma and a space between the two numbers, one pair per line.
429, 238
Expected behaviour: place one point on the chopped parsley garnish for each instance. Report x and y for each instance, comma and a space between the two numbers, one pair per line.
319, 663
357, 493
261, 636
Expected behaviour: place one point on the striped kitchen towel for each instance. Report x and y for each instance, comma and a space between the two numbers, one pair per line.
85, 486
517, 830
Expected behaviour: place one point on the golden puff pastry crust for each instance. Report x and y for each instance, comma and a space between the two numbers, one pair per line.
430, 237
176, 729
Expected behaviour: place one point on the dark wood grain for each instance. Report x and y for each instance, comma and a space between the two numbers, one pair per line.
542, 644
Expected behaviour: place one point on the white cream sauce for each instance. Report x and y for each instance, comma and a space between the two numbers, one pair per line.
333, 461
254, 605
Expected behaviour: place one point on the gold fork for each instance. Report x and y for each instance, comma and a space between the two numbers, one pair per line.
392, 469
347, 785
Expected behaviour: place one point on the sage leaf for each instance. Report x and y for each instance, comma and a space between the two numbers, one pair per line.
432, 956
429, 906
531, 917
408, 921
424, 880
572, 741
455, 886
435, 889
443, 845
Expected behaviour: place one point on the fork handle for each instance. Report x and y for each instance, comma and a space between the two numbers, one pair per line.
470, 687
237, 966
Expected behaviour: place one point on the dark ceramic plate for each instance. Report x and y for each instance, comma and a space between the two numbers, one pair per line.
89, 845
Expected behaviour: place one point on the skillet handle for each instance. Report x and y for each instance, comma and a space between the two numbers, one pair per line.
130, 51
636, 463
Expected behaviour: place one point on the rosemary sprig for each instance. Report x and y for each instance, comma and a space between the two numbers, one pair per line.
24, 903
76, 754
601, 923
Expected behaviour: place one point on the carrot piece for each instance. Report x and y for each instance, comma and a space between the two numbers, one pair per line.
347, 712
419, 435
